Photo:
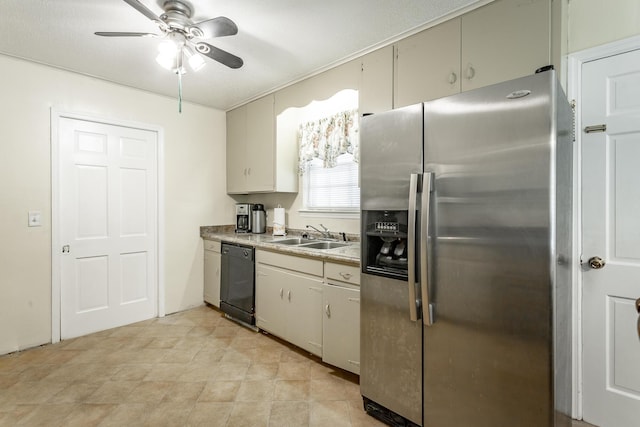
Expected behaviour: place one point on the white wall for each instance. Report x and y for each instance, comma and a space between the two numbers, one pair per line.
596, 22
194, 186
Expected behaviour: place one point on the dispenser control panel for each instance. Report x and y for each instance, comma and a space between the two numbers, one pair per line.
387, 226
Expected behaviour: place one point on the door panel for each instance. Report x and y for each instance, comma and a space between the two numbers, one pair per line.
390, 347
610, 230
304, 313
341, 327
91, 286
92, 201
134, 277
270, 304
108, 226
133, 201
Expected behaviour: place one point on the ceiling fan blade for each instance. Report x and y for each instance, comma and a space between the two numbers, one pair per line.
143, 9
220, 55
123, 34
217, 27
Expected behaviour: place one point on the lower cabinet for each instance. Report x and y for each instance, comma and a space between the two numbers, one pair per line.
289, 299
312, 304
212, 259
341, 326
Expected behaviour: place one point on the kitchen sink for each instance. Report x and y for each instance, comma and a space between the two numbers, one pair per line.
323, 245
293, 241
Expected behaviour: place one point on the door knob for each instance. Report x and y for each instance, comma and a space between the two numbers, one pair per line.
596, 262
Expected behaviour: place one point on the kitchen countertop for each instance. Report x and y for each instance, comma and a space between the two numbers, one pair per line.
349, 254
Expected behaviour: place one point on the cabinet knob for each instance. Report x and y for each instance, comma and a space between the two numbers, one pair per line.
327, 310
453, 77
281, 292
471, 72
345, 276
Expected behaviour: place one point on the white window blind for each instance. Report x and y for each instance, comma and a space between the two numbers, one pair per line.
332, 189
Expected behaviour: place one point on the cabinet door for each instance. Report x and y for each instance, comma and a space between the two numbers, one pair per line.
341, 327
236, 150
260, 145
428, 64
304, 315
376, 82
505, 40
270, 302
212, 277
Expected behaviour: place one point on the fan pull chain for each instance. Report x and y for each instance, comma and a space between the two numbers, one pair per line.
179, 92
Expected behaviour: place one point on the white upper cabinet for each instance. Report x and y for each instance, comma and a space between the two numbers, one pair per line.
236, 150
376, 82
428, 64
256, 161
503, 40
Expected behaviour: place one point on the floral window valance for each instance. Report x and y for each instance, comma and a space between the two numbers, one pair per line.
328, 138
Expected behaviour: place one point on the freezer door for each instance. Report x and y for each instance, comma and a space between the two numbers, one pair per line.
391, 343
390, 347
488, 355
390, 151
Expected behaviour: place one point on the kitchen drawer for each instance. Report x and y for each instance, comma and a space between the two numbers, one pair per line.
289, 262
212, 245
343, 273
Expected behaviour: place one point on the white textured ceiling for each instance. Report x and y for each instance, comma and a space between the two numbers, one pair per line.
280, 41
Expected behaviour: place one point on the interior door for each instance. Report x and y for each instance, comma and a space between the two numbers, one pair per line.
108, 225
611, 240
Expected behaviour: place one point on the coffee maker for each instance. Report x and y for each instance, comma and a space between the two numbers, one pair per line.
243, 217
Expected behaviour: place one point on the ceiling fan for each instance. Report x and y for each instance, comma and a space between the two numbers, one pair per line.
182, 36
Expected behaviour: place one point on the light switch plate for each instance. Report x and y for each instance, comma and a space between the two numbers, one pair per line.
34, 219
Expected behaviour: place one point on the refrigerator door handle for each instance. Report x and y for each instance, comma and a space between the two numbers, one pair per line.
427, 189
411, 247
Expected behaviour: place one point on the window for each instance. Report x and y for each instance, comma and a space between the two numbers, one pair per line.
331, 189
329, 163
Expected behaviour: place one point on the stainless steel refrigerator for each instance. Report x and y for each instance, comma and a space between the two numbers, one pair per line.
466, 258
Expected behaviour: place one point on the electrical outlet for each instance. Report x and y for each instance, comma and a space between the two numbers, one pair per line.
34, 219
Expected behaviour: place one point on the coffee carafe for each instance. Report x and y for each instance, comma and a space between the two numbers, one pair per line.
258, 219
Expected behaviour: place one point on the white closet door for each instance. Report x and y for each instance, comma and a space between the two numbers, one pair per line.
611, 231
108, 226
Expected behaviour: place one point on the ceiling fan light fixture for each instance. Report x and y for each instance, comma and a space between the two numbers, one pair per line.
167, 61
196, 62
178, 32
168, 47
167, 54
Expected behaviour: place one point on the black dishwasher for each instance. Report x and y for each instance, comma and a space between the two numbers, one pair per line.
237, 283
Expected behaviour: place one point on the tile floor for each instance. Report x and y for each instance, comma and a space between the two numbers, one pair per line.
191, 368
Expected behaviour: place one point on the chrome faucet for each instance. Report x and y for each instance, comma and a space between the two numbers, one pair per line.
326, 234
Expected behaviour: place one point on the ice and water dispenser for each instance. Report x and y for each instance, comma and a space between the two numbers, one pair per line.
384, 243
